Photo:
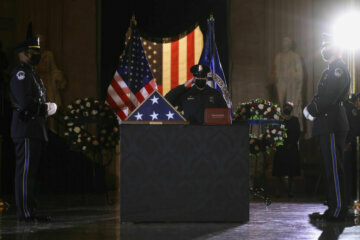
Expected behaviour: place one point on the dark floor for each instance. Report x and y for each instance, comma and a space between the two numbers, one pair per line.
79, 217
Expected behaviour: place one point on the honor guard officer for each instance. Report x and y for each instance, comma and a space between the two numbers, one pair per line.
195, 99
28, 129
331, 126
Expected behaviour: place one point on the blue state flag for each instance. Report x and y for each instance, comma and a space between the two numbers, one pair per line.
210, 57
155, 108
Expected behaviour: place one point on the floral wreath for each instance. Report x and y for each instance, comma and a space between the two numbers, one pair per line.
258, 109
79, 114
262, 112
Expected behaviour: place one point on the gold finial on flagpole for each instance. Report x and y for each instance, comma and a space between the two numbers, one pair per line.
211, 18
133, 20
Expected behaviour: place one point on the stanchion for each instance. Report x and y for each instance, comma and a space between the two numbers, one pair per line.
357, 202
3, 205
1, 141
256, 190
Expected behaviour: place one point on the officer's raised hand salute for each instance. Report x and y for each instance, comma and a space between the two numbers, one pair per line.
331, 126
194, 100
28, 127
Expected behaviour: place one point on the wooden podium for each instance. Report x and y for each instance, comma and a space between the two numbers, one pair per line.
184, 173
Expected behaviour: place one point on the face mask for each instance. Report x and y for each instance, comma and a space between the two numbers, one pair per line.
200, 83
35, 59
327, 54
287, 111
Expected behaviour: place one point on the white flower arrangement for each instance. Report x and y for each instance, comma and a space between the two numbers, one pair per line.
260, 111
88, 110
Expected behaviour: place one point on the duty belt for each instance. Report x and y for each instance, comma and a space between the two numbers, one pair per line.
339, 104
24, 113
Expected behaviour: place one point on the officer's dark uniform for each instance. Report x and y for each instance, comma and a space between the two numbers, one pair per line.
194, 100
28, 130
331, 126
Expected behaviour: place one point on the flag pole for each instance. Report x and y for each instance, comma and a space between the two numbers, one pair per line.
133, 20
211, 21
133, 24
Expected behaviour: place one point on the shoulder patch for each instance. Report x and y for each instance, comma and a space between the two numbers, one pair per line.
20, 75
338, 72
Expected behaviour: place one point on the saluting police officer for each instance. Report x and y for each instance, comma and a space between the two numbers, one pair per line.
28, 129
193, 100
331, 126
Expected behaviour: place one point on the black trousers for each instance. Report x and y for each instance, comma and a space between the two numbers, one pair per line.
332, 151
28, 154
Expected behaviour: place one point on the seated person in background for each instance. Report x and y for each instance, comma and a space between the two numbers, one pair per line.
287, 158
193, 100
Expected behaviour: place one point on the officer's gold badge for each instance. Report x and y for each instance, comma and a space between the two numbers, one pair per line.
20, 75
211, 99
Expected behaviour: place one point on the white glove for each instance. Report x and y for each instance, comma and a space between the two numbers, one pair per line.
51, 108
307, 115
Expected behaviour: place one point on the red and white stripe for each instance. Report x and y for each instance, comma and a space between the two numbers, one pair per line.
178, 57
122, 100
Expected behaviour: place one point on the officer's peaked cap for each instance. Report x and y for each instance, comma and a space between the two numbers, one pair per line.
31, 42
200, 70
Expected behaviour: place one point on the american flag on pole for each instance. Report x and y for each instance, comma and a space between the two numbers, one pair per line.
170, 62
133, 80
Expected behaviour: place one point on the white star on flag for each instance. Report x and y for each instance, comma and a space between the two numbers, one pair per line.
138, 116
170, 115
154, 115
154, 100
